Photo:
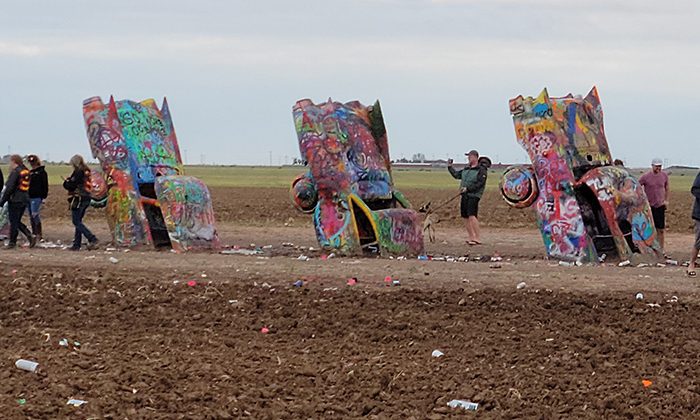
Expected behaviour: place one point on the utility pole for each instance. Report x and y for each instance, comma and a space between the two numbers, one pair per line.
270, 152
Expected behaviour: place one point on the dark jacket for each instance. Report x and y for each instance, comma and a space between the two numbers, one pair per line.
38, 183
696, 193
471, 179
79, 183
17, 187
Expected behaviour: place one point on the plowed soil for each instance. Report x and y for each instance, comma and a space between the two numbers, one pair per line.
572, 343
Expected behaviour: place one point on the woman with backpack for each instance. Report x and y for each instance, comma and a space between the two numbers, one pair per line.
79, 186
38, 191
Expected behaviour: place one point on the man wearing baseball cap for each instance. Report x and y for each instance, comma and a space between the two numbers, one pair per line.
472, 184
655, 183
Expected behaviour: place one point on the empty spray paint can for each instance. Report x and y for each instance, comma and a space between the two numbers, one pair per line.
466, 405
27, 365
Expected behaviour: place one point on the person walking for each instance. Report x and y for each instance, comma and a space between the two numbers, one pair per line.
79, 186
695, 190
16, 194
655, 183
38, 191
472, 185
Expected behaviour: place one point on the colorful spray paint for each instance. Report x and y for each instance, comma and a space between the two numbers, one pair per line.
585, 207
187, 209
135, 143
349, 186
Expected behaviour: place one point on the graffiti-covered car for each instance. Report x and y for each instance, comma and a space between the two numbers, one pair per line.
585, 207
349, 187
148, 198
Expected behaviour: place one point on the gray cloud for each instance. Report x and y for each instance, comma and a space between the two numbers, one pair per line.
443, 68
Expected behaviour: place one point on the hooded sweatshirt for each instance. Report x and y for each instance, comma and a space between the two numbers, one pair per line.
38, 183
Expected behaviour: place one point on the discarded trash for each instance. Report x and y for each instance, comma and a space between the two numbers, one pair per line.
298, 283
396, 282
113, 260
566, 264
267, 247
27, 365
264, 330
287, 244
303, 257
21, 401
63, 342
639, 296
671, 262
422, 258
602, 258
387, 281
76, 344
624, 263
241, 251
647, 383
192, 283
437, 353
521, 285
642, 265
76, 403
653, 305
673, 299
110, 249
352, 281
466, 405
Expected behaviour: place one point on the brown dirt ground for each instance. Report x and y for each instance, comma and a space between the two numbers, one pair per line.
573, 343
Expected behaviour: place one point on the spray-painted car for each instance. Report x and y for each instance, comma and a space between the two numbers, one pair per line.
149, 200
585, 206
349, 186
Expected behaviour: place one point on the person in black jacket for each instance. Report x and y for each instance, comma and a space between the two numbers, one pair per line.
79, 186
38, 191
16, 194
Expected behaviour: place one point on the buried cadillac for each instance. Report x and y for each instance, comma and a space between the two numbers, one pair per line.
149, 200
585, 206
349, 187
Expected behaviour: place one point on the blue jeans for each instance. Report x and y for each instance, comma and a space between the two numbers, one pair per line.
35, 209
80, 228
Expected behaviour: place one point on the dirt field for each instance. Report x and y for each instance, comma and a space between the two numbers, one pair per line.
572, 343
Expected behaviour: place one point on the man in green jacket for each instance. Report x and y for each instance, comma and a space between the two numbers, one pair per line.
472, 184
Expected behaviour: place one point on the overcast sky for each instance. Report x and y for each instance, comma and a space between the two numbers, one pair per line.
443, 70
